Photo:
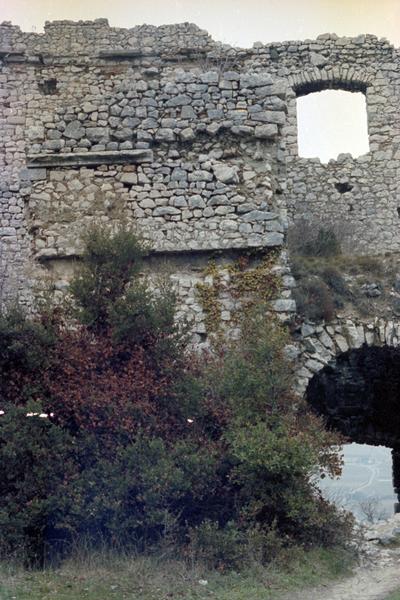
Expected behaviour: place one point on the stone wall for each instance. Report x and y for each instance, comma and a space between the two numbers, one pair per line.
188, 199
364, 192
190, 140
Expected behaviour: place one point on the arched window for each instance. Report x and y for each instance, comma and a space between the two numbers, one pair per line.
331, 122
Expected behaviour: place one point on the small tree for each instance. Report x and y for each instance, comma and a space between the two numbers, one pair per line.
371, 509
109, 262
115, 371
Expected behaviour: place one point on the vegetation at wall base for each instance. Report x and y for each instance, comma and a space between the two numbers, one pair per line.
108, 576
394, 596
113, 432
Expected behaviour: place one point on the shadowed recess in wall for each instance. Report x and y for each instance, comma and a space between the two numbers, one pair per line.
359, 395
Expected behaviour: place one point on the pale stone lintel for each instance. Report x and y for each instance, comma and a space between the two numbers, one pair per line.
82, 159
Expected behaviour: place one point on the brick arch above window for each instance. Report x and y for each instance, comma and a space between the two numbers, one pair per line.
335, 78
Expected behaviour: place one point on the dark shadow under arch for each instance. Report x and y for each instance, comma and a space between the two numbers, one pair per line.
309, 87
359, 395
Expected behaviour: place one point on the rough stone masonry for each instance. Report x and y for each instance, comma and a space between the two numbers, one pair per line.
195, 143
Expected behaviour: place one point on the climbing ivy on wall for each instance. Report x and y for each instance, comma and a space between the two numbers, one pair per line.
209, 295
246, 285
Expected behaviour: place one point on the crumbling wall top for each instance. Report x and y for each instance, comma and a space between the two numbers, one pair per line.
87, 38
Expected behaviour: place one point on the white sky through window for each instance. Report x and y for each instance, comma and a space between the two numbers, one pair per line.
330, 123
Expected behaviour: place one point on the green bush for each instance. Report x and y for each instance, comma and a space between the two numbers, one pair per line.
216, 546
57, 489
109, 293
23, 341
108, 265
274, 443
314, 300
148, 318
129, 493
36, 467
148, 441
24, 346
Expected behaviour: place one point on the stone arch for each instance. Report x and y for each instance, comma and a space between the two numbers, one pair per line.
358, 390
320, 345
359, 394
336, 78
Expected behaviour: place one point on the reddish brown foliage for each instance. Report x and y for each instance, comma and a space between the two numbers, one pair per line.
93, 384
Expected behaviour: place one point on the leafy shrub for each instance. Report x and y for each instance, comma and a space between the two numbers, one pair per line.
36, 467
326, 525
315, 238
24, 348
265, 544
314, 300
215, 546
109, 263
148, 318
130, 349
325, 243
144, 439
128, 493
274, 447
98, 386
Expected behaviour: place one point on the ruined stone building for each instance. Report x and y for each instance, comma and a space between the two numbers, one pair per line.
195, 144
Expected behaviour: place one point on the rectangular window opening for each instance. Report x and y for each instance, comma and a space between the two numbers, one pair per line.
332, 122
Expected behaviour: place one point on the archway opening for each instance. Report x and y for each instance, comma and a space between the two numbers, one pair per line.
332, 122
359, 395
